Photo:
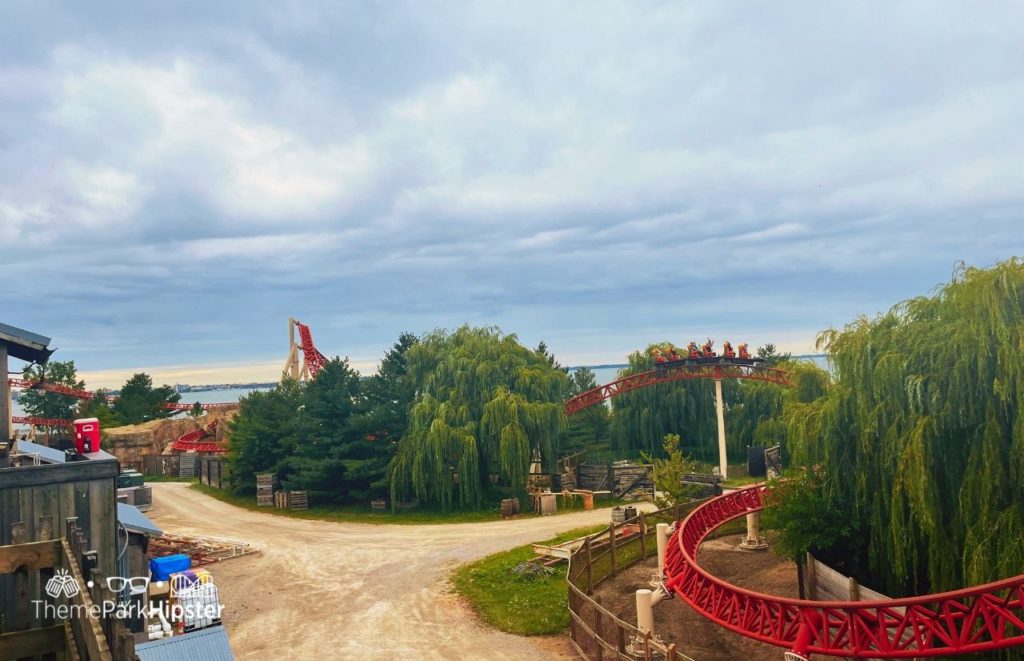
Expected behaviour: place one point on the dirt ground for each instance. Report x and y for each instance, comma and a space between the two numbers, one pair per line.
695, 635
325, 590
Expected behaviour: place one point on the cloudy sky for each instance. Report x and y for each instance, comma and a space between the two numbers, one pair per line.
177, 179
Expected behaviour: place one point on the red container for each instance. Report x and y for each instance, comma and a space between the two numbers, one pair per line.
87, 435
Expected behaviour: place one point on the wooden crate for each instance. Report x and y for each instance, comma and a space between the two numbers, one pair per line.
187, 465
291, 500
298, 500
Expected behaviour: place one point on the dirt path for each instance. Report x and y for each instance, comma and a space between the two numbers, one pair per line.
324, 590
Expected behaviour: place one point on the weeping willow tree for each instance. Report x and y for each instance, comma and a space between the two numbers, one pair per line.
484, 403
756, 414
641, 418
923, 433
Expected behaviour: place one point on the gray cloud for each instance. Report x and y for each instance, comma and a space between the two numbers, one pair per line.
176, 181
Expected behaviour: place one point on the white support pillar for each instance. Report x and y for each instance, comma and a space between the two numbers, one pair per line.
723, 462
644, 611
662, 536
753, 540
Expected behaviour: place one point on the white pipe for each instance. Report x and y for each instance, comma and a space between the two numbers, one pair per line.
644, 612
662, 535
723, 463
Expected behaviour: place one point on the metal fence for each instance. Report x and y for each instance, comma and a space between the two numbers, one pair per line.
596, 632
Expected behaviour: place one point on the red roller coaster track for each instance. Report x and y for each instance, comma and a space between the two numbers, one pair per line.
314, 359
978, 619
195, 441
85, 394
680, 373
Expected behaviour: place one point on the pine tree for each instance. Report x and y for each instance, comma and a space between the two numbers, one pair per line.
264, 434
329, 447
140, 402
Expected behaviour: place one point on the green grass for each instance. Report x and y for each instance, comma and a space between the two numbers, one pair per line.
742, 481
516, 604
363, 514
354, 513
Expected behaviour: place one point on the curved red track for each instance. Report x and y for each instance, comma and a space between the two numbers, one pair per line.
197, 440
679, 373
978, 619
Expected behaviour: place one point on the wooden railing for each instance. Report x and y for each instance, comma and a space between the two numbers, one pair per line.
83, 635
106, 638
594, 630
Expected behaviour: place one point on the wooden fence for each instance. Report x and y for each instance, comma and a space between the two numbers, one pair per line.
594, 631
161, 464
822, 583
90, 632
215, 472
623, 480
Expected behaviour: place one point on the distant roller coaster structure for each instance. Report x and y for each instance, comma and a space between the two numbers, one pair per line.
200, 439
712, 367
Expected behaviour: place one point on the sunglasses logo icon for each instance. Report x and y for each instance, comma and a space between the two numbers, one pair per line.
134, 584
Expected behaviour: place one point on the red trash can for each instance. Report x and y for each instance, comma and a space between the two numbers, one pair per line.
87, 435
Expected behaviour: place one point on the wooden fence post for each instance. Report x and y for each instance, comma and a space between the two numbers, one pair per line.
590, 569
643, 536
812, 588
854, 589
611, 533
572, 609
675, 511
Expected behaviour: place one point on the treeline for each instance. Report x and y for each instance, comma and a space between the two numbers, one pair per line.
454, 414
332, 436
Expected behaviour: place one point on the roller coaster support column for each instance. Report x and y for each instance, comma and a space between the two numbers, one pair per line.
662, 536
753, 540
723, 462
646, 600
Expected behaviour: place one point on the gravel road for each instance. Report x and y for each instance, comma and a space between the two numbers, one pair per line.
323, 590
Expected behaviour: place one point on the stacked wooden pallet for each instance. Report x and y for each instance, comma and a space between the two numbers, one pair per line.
265, 490
291, 500
187, 465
